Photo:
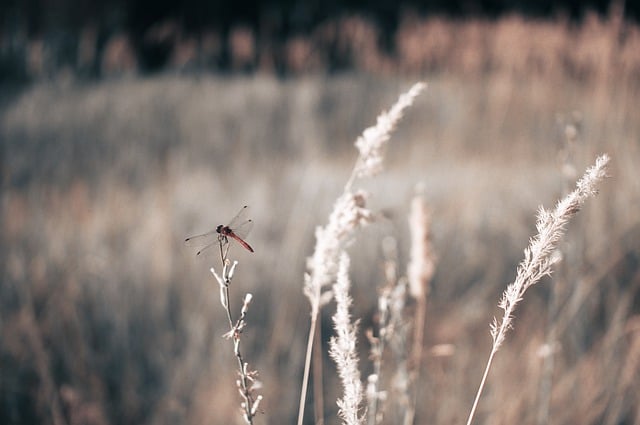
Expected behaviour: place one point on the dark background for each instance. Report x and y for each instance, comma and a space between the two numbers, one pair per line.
152, 27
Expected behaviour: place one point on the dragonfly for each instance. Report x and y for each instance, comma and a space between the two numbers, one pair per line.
237, 230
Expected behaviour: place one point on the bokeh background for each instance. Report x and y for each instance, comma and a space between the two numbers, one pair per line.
127, 126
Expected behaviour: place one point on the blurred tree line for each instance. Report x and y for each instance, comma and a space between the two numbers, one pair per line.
92, 38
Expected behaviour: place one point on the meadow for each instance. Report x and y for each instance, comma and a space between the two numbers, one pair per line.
106, 317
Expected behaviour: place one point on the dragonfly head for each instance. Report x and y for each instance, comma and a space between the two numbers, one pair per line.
219, 228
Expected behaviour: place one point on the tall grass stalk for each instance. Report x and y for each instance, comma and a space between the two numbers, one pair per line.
391, 303
538, 258
349, 213
419, 274
395, 323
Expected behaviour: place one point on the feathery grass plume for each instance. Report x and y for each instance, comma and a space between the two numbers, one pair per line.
373, 139
422, 263
538, 258
343, 348
247, 382
349, 213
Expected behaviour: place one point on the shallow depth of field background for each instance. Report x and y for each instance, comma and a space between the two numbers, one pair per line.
106, 317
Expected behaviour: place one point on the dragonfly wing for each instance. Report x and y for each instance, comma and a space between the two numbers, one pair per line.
206, 247
240, 218
242, 230
202, 240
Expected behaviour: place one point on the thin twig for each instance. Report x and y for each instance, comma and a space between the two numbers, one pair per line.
247, 377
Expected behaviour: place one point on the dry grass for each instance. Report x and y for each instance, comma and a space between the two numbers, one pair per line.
105, 316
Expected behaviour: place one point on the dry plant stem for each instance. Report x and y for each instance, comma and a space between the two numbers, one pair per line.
318, 397
385, 330
420, 272
305, 379
397, 336
349, 213
391, 313
374, 416
416, 357
494, 349
249, 404
307, 366
538, 258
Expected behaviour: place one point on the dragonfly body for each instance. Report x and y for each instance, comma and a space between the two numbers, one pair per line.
226, 232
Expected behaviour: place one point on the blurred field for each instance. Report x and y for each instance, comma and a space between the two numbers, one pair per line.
107, 318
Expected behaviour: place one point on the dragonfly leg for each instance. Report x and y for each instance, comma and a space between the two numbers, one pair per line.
224, 248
